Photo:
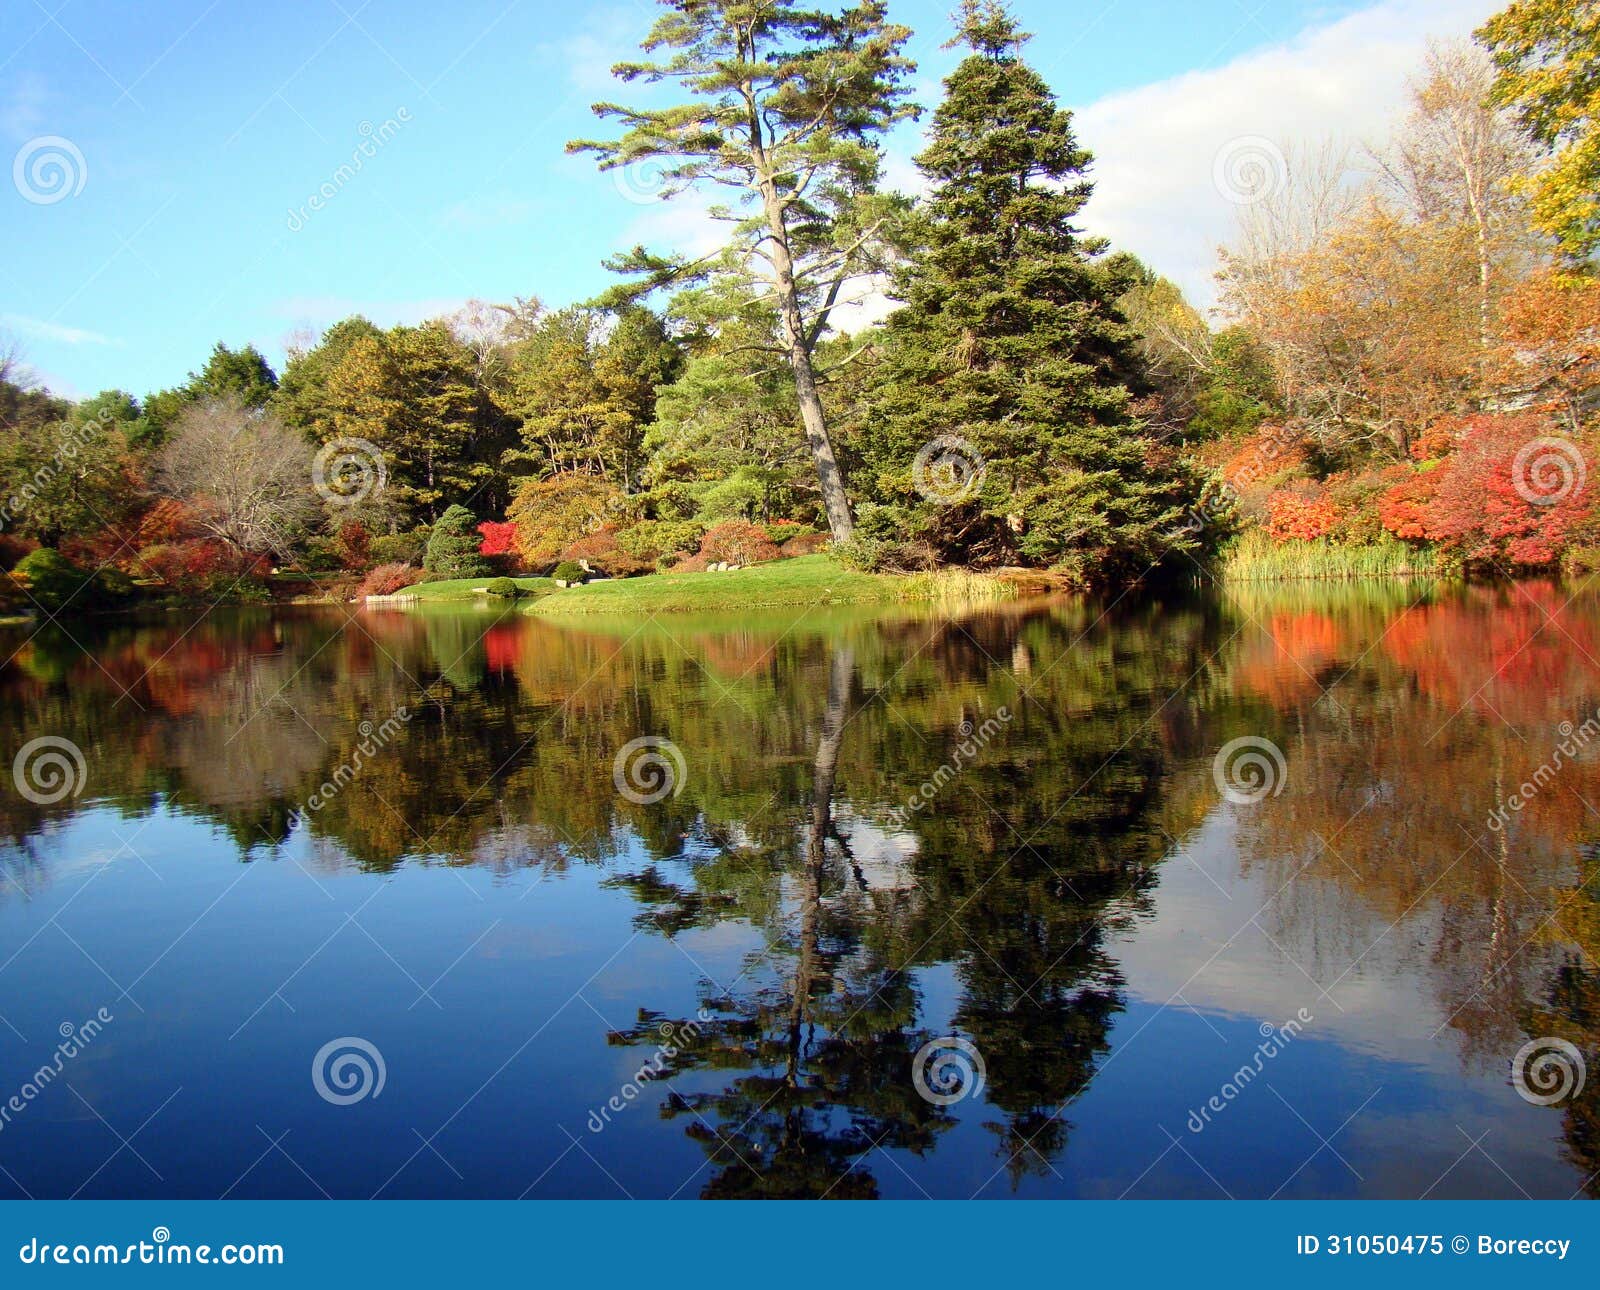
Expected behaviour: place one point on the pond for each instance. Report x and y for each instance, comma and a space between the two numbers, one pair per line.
1276, 893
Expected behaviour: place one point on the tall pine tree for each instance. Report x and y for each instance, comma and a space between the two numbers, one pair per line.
1002, 427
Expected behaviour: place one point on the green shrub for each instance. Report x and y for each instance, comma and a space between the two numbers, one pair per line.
654, 539
52, 580
569, 571
505, 588
400, 548
321, 555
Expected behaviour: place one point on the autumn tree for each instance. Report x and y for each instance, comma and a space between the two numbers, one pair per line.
785, 107
245, 476
1547, 54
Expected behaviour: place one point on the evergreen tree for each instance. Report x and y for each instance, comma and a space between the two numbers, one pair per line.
1003, 426
453, 546
784, 107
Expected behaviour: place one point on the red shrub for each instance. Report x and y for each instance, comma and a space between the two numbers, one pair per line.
1293, 517
499, 538
200, 566
387, 579
13, 548
602, 552
354, 545
738, 542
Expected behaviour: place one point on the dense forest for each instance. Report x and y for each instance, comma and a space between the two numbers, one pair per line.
1400, 374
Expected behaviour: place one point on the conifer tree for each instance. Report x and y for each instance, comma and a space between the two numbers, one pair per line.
1002, 427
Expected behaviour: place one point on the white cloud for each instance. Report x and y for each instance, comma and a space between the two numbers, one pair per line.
1155, 147
42, 329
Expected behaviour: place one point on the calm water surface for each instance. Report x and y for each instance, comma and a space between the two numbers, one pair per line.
1306, 975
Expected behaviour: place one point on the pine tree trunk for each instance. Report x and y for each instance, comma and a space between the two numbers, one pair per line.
835, 500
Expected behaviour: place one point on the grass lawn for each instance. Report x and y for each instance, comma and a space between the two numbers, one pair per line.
467, 588
807, 580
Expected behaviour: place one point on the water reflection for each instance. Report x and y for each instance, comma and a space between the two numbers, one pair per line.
1046, 906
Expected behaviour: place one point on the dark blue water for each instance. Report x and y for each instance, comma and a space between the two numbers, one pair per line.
1121, 982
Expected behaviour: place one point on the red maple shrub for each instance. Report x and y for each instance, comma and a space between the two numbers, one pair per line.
499, 538
386, 579
1512, 493
737, 542
1295, 517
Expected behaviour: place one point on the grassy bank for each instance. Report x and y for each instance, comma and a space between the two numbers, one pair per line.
471, 588
1254, 557
808, 580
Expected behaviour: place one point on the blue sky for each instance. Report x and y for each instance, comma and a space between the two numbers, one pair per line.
202, 125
